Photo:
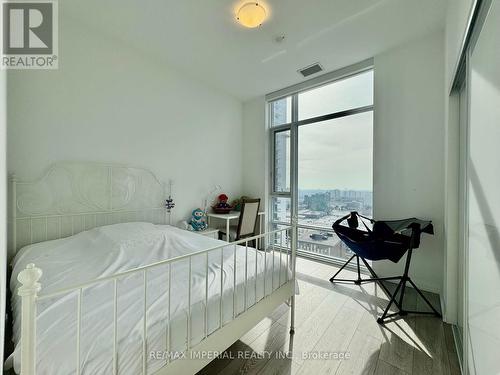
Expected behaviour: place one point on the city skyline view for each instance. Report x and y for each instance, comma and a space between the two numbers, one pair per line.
335, 160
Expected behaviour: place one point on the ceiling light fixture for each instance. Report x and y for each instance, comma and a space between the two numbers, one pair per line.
251, 15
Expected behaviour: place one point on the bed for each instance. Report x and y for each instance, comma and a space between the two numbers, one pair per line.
105, 286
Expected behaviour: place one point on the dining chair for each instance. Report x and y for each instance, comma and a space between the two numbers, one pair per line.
247, 222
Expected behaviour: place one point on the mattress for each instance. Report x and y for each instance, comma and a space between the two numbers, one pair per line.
115, 248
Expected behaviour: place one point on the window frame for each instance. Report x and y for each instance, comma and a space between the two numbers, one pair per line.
293, 127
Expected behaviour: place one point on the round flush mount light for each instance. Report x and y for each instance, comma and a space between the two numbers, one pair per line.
251, 15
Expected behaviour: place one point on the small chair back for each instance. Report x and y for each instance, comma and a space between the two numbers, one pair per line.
247, 223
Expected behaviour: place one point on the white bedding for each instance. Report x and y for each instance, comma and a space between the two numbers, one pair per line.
110, 249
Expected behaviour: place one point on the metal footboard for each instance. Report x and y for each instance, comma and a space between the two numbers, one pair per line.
277, 244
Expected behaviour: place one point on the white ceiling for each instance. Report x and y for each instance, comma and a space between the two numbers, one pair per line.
203, 39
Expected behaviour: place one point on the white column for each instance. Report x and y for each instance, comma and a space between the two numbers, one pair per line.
28, 291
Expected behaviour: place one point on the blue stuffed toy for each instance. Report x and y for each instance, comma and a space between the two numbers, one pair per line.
198, 220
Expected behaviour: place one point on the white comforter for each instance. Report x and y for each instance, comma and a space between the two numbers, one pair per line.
110, 249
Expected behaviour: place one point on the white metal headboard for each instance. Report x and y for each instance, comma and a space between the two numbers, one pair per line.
76, 196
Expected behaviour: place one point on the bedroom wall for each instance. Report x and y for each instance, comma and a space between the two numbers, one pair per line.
408, 148
108, 102
255, 149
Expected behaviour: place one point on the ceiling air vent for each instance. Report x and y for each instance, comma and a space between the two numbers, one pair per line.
311, 69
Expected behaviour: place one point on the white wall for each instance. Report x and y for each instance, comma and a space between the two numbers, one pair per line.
3, 210
255, 150
408, 149
108, 102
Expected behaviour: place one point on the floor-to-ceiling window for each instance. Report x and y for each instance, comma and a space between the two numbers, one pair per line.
332, 164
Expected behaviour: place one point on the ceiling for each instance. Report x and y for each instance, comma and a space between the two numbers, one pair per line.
202, 38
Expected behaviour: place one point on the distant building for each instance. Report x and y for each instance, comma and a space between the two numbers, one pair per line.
318, 202
354, 206
281, 207
281, 146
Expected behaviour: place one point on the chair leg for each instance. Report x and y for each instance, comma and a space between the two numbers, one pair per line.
424, 298
402, 288
402, 311
381, 320
404, 280
379, 282
341, 268
358, 281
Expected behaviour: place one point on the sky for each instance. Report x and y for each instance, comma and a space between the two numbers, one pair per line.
337, 154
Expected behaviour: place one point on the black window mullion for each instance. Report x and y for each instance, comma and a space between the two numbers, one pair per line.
335, 115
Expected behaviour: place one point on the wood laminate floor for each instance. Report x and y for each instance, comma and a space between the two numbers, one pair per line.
336, 320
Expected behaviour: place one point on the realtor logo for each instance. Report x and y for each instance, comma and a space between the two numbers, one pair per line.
29, 35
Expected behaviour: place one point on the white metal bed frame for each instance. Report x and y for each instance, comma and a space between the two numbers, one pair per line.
73, 197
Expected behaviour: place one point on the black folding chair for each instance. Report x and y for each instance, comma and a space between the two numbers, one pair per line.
387, 240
